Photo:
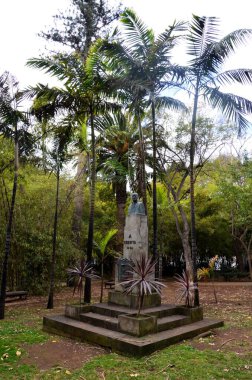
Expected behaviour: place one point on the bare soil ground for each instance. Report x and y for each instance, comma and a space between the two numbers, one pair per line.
234, 307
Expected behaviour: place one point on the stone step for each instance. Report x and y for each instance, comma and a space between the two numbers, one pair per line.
115, 310
111, 310
172, 321
120, 342
111, 323
100, 320
162, 310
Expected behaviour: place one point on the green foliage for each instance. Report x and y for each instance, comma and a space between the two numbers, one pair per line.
33, 228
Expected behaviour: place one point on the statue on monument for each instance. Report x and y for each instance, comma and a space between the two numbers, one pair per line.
136, 207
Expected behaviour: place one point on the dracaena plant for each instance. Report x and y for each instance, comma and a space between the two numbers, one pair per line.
185, 288
79, 273
142, 270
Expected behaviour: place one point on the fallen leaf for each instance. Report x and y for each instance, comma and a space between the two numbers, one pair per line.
247, 366
18, 353
67, 372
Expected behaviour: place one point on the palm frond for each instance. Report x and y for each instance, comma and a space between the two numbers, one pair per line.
234, 107
241, 76
203, 32
49, 66
170, 103
139, 37
102, 245
230, 42
214, 56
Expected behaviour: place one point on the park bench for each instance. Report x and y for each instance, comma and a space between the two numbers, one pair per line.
22, 294
109, 284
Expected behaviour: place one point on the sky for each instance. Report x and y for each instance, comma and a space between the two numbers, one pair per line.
22, 20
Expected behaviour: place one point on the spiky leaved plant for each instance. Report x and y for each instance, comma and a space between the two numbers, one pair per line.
185, 288
143, 271
82, 271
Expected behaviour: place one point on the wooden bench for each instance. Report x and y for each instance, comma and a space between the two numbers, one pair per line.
22, 294
109, 284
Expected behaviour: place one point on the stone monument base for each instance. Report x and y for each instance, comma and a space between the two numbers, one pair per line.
131, 300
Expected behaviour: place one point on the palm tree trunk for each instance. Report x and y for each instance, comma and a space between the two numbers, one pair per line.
142, 159
87, 291
8, 231
121, 199
102, 279
154, 195
52, 275
79, 198
192, 200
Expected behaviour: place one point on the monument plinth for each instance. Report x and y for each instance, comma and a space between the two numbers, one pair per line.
135, 245
116, 324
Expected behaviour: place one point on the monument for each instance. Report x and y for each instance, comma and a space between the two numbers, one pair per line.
135, 241
135, 244
114, 323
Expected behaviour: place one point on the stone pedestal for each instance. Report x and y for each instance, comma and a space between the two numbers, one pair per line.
135, 237
135, 244
131, 300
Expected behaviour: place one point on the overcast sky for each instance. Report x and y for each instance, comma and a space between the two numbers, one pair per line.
21, 20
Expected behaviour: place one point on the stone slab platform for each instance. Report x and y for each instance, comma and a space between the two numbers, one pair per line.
123, 343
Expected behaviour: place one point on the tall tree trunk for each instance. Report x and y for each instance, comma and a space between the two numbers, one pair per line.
102, 279
55, 225
192, 199
121, 199
87, 291
79, 198
142, 164
184, 232
8, 231
186, 243
154, 195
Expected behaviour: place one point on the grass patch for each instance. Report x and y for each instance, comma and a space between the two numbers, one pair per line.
13, 334
176, 362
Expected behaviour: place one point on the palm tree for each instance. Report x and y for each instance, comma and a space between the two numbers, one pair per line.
83, 97
145, 70
101, 247
11, 121
203, 78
